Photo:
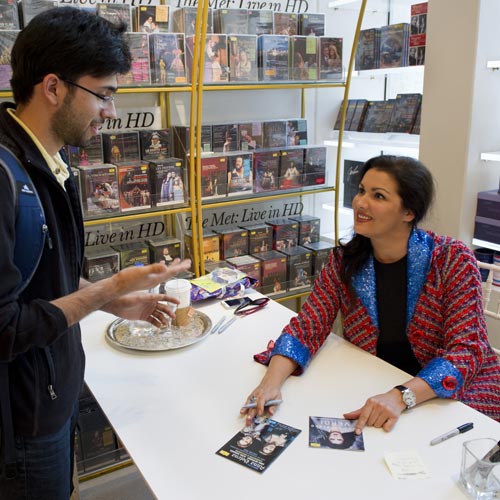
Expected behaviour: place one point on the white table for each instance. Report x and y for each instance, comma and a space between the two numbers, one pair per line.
174, 409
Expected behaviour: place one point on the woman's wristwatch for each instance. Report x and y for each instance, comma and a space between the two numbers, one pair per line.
409, 398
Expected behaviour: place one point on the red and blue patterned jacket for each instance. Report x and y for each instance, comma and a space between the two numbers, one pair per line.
445, 320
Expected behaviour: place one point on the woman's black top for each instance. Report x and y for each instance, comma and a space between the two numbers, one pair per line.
393, 345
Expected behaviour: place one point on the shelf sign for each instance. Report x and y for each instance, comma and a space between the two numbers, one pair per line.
103, 235
247, 214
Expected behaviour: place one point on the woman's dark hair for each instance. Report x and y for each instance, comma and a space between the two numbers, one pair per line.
416, 189
70, 43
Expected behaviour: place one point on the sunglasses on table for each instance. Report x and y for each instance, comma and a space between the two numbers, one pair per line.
251, 307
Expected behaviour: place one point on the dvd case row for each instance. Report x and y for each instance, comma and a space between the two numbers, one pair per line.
399, 115
394, 45
159, 144
167, 58
283, 254
107, 189
241, 173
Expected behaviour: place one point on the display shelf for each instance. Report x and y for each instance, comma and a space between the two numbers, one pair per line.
408, 143
383, 72
491, 156
493, 64
485, 244
266, 197
139, 215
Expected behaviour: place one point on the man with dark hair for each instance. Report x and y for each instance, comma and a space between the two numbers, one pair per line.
65, 65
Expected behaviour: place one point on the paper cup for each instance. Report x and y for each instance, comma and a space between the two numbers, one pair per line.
181, 290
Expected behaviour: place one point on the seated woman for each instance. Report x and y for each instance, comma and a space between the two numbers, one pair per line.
406, 295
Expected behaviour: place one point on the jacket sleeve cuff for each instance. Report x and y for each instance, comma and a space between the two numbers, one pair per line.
443, 377
286, 345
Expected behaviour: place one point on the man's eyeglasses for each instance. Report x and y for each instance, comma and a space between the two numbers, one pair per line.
106, 99
251, 307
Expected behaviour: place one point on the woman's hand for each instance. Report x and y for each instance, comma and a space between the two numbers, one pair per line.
269, 388
382, 410
265, 391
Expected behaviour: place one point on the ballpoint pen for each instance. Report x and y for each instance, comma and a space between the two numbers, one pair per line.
218, 325
225, 326
455, 432
271, 402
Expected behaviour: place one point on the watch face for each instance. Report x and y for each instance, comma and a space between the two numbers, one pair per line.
409, 398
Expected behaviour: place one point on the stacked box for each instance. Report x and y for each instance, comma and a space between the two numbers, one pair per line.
311, 24
9, 15
151, 18
233, 242
231, 21
28, 9
184, 21
248, 265
132, 254
273, 272
210, 250
273, 53
116, 13
377, 116
216, 64
275, 135
260, 237
167, 181
97, 439
266, 168
296, 132
260, 22
286, 23
180, 140
166, 56
321, 251
309, 228
91, 154
394, 45
100, 263
285, 233
164, 250
368, 52
7, 39
352, 176
404, 113
139, 72
291, 168
213, 176
240, 173
134, 186
330, 58
418, 29
224, 137
298, 265
250, 136
243, 62
303, 58
155, 144
315, 166
99, 190
121, 147
487, 221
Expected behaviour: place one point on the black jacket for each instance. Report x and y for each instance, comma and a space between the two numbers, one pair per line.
28, 322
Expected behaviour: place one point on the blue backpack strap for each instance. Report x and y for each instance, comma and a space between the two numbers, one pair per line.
31, 228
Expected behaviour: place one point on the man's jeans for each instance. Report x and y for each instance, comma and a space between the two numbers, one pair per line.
44, 467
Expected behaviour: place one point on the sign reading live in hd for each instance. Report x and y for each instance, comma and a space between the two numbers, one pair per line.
290, 6
254, 212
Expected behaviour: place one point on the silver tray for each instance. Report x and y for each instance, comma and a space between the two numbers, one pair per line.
160, 339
